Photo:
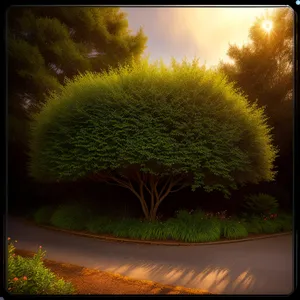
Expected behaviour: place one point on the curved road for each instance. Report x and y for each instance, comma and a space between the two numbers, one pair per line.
255, 267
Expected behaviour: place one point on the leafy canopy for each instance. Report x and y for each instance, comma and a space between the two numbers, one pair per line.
183, 120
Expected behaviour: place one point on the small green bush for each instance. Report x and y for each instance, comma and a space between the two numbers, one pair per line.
270, 226
139, 230
260, 203
43, 215
285, 221
29, 276
198, 215
253, 226
233, 229
98, 224
157, 231
208, 230
188, 229
183, 215
174, 229
70, 216
124, 227
268, 223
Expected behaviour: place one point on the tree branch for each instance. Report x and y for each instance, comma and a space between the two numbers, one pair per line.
182, 187
165, 185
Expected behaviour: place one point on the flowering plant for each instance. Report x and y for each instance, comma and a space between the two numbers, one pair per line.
30, 276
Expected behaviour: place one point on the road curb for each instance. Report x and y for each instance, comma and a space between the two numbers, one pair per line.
159, 243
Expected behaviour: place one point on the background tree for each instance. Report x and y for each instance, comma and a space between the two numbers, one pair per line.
45, 46
48, 44
263, 69
153, 130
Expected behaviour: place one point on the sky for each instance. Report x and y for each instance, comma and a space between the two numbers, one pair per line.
193, 32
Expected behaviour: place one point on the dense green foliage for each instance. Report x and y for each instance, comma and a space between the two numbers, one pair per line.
263, 70
29, 276
233, 229
43, 215
268, 61
260, 203
268, 223
70, 216
197, 226
182, 121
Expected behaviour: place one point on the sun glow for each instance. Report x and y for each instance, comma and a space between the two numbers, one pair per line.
267, 26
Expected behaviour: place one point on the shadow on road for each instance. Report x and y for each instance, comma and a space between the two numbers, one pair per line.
214, 279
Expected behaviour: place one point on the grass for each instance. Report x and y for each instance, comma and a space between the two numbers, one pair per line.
192, 227
269, 223
233, 229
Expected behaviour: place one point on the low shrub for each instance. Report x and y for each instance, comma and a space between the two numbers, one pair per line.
199, 215
70, 216
268, 223
260, 203
184, 216
174, 229
193, 229
208, 230
123, 227
193, 226
254, 226
43, 215
29, 276
139, 230
269, 226
150, 231
98, 224
285, 221
233, 229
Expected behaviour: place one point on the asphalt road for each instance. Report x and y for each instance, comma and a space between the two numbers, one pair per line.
254, 267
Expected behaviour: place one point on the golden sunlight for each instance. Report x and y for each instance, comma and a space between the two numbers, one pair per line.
267, 26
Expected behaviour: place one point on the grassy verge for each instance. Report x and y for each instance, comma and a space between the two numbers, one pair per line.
90, 281
193, 227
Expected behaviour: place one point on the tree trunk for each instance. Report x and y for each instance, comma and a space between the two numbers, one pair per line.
142, 180
153, 213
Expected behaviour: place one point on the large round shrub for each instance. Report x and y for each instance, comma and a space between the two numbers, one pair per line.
161, 128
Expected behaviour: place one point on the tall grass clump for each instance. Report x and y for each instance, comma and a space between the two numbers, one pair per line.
233, 229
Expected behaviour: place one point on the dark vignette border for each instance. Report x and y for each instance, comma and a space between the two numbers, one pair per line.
292, 3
